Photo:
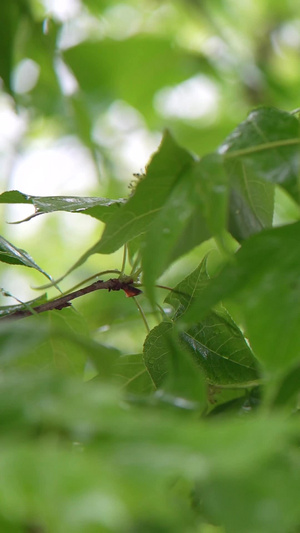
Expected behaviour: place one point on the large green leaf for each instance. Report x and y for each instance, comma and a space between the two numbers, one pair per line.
216, 343
221, 351
152, 191
200, 194
217, 346
263, 278
195, 232
100, 208
211, 189
266, 146
160, 241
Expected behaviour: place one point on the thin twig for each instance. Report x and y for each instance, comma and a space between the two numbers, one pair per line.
89, 279
113, 284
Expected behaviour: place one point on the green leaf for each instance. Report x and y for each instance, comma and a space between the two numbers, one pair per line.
172, 369
157, 352
135, 217
184, 387
188, 289
13, 255
160, 241
18, 340
152, 191
132, 374
201, 190
216, 343
252, 492
263, 279
100, 208
251, 205
288, 389
102, 357
228, 402
266, 146
221, 351
57, 343
211, 183
195, 232
217, 346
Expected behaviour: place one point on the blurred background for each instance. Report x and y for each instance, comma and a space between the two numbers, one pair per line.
88, 87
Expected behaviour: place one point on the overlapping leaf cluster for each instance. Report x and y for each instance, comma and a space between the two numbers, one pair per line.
197, 360
199, 431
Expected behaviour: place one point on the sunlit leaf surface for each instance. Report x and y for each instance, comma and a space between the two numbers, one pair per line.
13, 255
100, 208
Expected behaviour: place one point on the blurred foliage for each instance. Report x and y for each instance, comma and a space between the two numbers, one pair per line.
192, 425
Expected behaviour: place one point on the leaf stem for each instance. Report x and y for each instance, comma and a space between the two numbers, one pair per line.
261, 147
142, 314
124, 260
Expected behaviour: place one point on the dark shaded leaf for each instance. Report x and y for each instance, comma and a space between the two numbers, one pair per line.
172, 369
263, 278
217, 346
216, 343
221, 351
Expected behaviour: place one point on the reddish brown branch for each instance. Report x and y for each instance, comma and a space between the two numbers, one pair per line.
113, 284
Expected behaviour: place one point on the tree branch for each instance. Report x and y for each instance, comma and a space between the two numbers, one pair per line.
113, 284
